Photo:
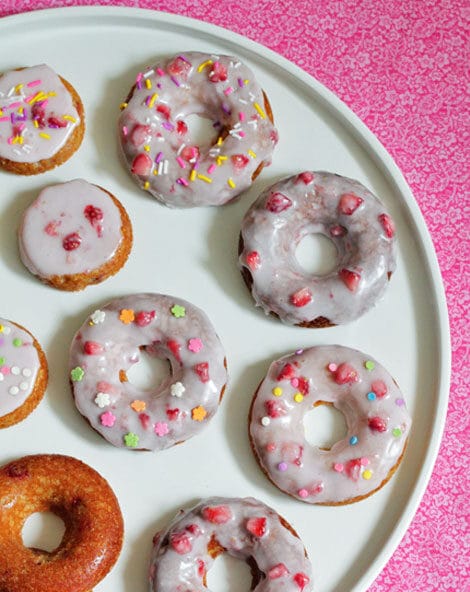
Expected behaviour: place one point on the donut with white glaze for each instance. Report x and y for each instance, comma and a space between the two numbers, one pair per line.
337, 207
74, 234
378, 425
42, 121
157, 142
244, 528
23, 373
111, 341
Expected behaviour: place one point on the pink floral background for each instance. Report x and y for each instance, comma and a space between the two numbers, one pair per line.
403, 67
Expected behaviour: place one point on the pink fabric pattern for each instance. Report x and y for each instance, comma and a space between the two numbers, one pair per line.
401, 66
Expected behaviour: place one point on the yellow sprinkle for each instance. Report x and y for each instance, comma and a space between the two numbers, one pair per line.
367, 474
146, 185
20, 110
1, 328
1, 113
39, 97
148, 83
147, 148
192, 175
252, 154
246, 81
52, 94
204, 64
155, 172
45, 136
298, 397
69, 118
277, 391
231, 183
204, 178
20, 139
18, 87
221, 160
35, 122
260, 111
152, 100
123, 106
220, 141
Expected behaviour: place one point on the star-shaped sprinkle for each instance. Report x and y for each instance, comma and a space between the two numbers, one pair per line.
161, 429
195, 345
126, 316
131, 440
138, 406
102, 400
177, 389
107, 419
198, 413
77, 374
97, 317
178, 311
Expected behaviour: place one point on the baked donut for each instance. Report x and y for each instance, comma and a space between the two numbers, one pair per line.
74, 234
317, 203
246, 529
363, 391
42, 120
89, 509
159, 147
109, 343
23, 373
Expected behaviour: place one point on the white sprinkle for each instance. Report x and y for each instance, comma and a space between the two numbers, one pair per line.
160, 167
148, 73
14, 390
244, 101
98, 317
26, 372
1, 377
24, 386
265, 421
165, 167
102, 400
177, 389
6, 330
180, 149
15, 370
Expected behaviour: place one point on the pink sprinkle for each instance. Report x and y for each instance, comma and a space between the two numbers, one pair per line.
182, 181
303, 493
5, 370
332, 367
338, 467
174, 80
4, 118
15, 105
160, 72
107, 419
181, 162
195, 344
10, 140
242, 133
211, 169
228, 91
294, 382
33, 83
242, 116
125, 131
21, 127
159, 157
364, 461
161, 429
271, 447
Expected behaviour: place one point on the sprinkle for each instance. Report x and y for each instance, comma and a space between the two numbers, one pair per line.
174, 80
231, 183
14, 390
369, 365
102, 400
332, 367
138, 406
1, 377
282, 466
211, 169
367, 474
146, 185
353, 440
153, 98
5, 330
195, 344
168, 126
371, 396
228, 91
126, 316
122, 375
277, 391
241, 116
15, 370
182, 181
221, 159
204, 64
2, 360
177, 389
161, 429
125, 131
77, 374
192, 175
98, 317
147, 148
24, 386
265, 421
260, 111
5, 370
303, 493
178, 311
160, 72
220, 141
148, 83
396, 432
17, 342
198, 413
131, 440
122, 106
240, 82
45, 136
69, 118
159, 157
181, 162
364, 461
338, 467
107, 419
33, 83
400, 402
26, 372
204, 178
298, 397
299, 352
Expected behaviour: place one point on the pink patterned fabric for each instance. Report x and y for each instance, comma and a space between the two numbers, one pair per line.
401, 66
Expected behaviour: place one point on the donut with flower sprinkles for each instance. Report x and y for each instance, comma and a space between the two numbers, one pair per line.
337, 207
245, 528
41, 120
111, 341
23, 373
157, 142
374, 409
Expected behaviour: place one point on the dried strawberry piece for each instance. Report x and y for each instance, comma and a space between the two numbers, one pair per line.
179, 67
353, 468
201, 568
39, 114
239, 161
181, 127
275, 408
388, 225
72, 241
194, 529
345, 374
277, 203
140, 134
51, 228
190, 153
180, 542
379, 388
175, 348
93, 214
278, 571
142, 165
377, 424
303, 385
253, 260
338, 230
217, 514
92, 348
172, 414
348, 203
144, 420
301, 297
287, 372
350, 278
301, 580
306, 177
218, 72
144, 317
55, 123
257, 526
202, 370
164, 110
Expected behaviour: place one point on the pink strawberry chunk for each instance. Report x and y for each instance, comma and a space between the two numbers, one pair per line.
164, 110
253, 260
350, 278
175, 348
306, 177
277, 203
239, 161
218, 72
353, 468
388, 225
172, 414
54, 122
139, 134
278, 571
377, 424
345, 374
72, 241
179, 67
301, 297
301, 580
287, 372
144, 317
275, 408
257, 526
181, 127
202, 370
217, 514
180, 542
92, 348
142, 165
379, 388
348, 203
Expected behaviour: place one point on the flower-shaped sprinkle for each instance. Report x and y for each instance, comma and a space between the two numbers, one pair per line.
138, 406
102, 400
77, 374
161, 429
177, 389
126, 316
198, 413
178, 311
131, 440
97, 317
107, 419
195, 345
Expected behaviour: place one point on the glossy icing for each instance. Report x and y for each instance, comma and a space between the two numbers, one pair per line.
70, 228
19, 366
377, 421
337, 207
245, 528
37, 115
109, 343
156, 140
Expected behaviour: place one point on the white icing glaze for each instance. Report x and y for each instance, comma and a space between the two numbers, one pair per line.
247, 529
32, 95
19, 366
157, 143
168, 328
341, 209
377, 421
64, 216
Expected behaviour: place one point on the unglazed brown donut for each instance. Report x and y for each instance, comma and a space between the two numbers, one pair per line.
89, 509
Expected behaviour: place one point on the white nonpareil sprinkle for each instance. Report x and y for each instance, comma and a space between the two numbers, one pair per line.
102, 400
98, 317
177, 389
265, 421
14, 390
24, 386
15, 370
26, 372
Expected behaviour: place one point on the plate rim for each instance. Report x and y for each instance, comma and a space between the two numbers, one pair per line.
388, 168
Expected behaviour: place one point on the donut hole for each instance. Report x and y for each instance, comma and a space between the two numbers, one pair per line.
43, 531
324, 425
149, 371
229, 574
201, 131
316, 254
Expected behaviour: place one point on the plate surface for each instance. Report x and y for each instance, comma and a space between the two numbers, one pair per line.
192, 254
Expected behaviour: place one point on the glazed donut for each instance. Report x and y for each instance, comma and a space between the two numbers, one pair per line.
23, 373
74, 234
42, 120
109, 343
363, 391
341, 209
157, 143
246, 529
89, 509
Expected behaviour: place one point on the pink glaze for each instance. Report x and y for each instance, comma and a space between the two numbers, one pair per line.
70, 228
377, 421
110, 341
157, 143
341, 209
247, 529
37, 115
19, 366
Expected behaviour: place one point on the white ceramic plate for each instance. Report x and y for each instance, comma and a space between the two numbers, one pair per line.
193, 254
